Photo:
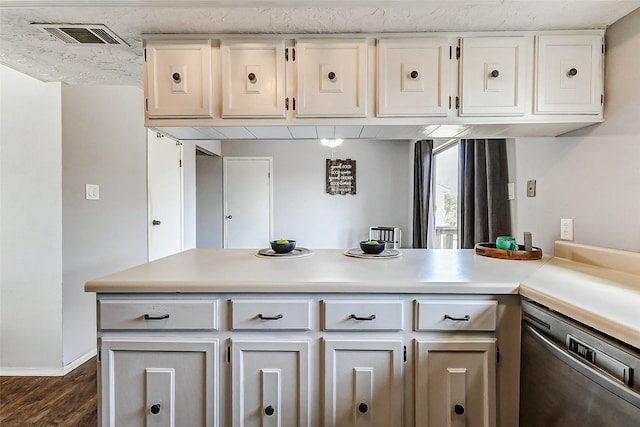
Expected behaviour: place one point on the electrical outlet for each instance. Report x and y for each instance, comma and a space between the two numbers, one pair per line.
531, 188
566, 229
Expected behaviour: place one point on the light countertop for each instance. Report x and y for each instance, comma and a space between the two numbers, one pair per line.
589, 290
325, 270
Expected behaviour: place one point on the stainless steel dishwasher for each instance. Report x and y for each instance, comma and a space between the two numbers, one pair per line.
573, 376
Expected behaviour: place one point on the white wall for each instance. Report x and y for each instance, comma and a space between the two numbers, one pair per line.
302, 209
209, 201
30, 225
103, 145
591, 175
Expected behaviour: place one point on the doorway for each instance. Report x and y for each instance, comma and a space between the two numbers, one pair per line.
247, 201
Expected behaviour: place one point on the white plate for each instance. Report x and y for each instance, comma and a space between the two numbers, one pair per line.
359, 253
297, 252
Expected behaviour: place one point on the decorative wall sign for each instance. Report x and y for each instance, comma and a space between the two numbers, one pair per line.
341, 176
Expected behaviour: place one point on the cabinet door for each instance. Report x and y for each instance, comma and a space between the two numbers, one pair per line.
495, 74
332, 78
362, 383
178, 76
253, 78
270, 383
146, 382
413, 77
569, 74
455, 383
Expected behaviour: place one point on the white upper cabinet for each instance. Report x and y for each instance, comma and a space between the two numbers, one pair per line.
253, 78
569, 74
413, 77
495, 75
332, 78
178, 79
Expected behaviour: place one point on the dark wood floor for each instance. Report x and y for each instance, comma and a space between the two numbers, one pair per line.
50, 401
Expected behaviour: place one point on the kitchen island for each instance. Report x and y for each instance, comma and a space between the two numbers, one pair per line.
225, 337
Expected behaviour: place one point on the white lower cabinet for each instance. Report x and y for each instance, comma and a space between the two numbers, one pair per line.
362, 382
307, 360
455, 382
158, 382
270, 383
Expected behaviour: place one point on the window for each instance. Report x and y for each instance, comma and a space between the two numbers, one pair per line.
445, 194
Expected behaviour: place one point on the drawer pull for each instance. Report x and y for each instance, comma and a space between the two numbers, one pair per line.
150, 317
466, 318
372, 317
276, 317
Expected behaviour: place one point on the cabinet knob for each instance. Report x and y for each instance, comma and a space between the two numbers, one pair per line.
458, 409
176, 77
572, 72
495, 73
414, 74
155, 409
331, 75
229, 216
269, 410
155, 222
252, 77
363, 408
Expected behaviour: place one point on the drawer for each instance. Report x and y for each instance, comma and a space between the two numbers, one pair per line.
443, 315
266, 315
158, 314
358, 315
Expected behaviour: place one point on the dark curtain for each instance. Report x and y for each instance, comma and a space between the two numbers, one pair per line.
484, 205
423, 158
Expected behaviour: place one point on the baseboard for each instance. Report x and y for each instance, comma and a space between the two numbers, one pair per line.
46, 372
79, 361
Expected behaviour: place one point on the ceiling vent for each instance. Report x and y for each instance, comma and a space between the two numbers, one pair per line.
82, 34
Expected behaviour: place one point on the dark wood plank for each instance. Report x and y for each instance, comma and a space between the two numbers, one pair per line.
50, 401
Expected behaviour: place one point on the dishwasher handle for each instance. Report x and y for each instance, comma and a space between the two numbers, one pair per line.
590, 372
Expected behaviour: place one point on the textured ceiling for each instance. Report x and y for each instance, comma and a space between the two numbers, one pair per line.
33, 52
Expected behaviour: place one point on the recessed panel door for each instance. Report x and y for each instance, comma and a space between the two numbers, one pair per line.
495, 74
253, 76
455, 383
362, 383
270, 383
569, 74
178, 76
150, 382
413, 77
332, 78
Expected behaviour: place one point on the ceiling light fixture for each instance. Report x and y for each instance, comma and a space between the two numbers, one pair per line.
333, 143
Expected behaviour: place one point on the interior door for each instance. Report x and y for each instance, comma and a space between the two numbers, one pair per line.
164, 180
247, 199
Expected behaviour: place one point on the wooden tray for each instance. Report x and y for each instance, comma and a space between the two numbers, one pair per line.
490, 250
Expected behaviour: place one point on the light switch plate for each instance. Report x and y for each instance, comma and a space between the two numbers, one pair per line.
511, 189
92, 192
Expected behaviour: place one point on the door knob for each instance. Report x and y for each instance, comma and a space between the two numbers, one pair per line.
155, 222
229, 216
